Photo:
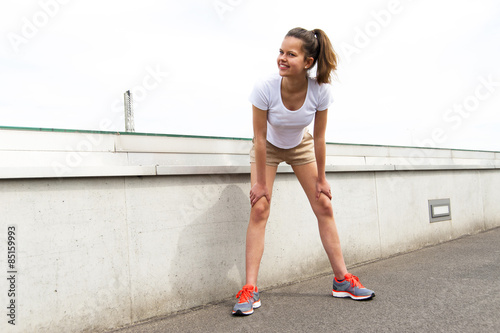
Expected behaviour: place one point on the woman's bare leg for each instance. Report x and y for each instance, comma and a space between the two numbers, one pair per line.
307, 175
257, 226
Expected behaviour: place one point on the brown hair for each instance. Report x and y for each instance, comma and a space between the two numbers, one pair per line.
316, 44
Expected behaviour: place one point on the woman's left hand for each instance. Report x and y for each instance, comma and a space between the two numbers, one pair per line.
323, 187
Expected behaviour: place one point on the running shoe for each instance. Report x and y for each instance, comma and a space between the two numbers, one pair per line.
351, 287
248, 300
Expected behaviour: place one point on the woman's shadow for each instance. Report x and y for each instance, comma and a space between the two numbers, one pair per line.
209, 265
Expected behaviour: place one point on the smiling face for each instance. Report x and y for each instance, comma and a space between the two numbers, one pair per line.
291, 59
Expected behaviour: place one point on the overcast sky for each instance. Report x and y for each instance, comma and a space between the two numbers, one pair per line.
411, 73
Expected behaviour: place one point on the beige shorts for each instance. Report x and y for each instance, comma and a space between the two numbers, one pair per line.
301, 154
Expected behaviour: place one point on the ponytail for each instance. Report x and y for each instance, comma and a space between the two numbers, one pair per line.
317, 45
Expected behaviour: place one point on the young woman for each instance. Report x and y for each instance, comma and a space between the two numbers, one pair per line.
283, 106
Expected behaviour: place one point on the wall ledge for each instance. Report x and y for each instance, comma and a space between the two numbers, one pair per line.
63, 154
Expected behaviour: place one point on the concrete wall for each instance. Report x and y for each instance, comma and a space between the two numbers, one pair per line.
117, 228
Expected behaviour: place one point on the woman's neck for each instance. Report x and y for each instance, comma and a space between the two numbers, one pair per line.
293, 85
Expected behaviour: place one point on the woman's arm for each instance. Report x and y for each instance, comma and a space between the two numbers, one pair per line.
259, 189
320, 152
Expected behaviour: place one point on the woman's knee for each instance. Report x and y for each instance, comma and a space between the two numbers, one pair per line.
323, 206
260, 210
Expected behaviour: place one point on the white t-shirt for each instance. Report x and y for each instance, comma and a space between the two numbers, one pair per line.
285, 128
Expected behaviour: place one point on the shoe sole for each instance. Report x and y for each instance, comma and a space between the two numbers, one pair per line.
241, 313
343, 294
255, 305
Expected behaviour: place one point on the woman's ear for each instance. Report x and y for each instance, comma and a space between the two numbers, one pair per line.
309, 62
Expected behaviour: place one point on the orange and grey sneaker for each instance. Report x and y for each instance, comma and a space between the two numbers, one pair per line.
248, 300
351, 287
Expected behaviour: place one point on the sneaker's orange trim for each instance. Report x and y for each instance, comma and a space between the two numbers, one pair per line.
246, 293
354, 280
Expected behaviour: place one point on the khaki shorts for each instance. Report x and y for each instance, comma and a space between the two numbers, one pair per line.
301, 154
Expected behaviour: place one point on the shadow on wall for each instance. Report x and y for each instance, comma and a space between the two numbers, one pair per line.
210, 261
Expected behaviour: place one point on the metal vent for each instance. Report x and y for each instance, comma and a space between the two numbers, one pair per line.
439, 210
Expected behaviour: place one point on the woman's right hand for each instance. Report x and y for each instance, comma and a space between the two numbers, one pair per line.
258, 191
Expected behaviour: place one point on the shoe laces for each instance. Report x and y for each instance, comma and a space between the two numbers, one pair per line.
354, 280
245, 294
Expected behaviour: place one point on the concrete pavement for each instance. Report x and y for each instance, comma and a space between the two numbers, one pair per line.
451, 287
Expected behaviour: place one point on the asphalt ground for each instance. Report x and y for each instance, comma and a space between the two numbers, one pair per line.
451, 287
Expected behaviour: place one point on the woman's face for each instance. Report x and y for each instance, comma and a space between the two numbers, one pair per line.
291, 59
